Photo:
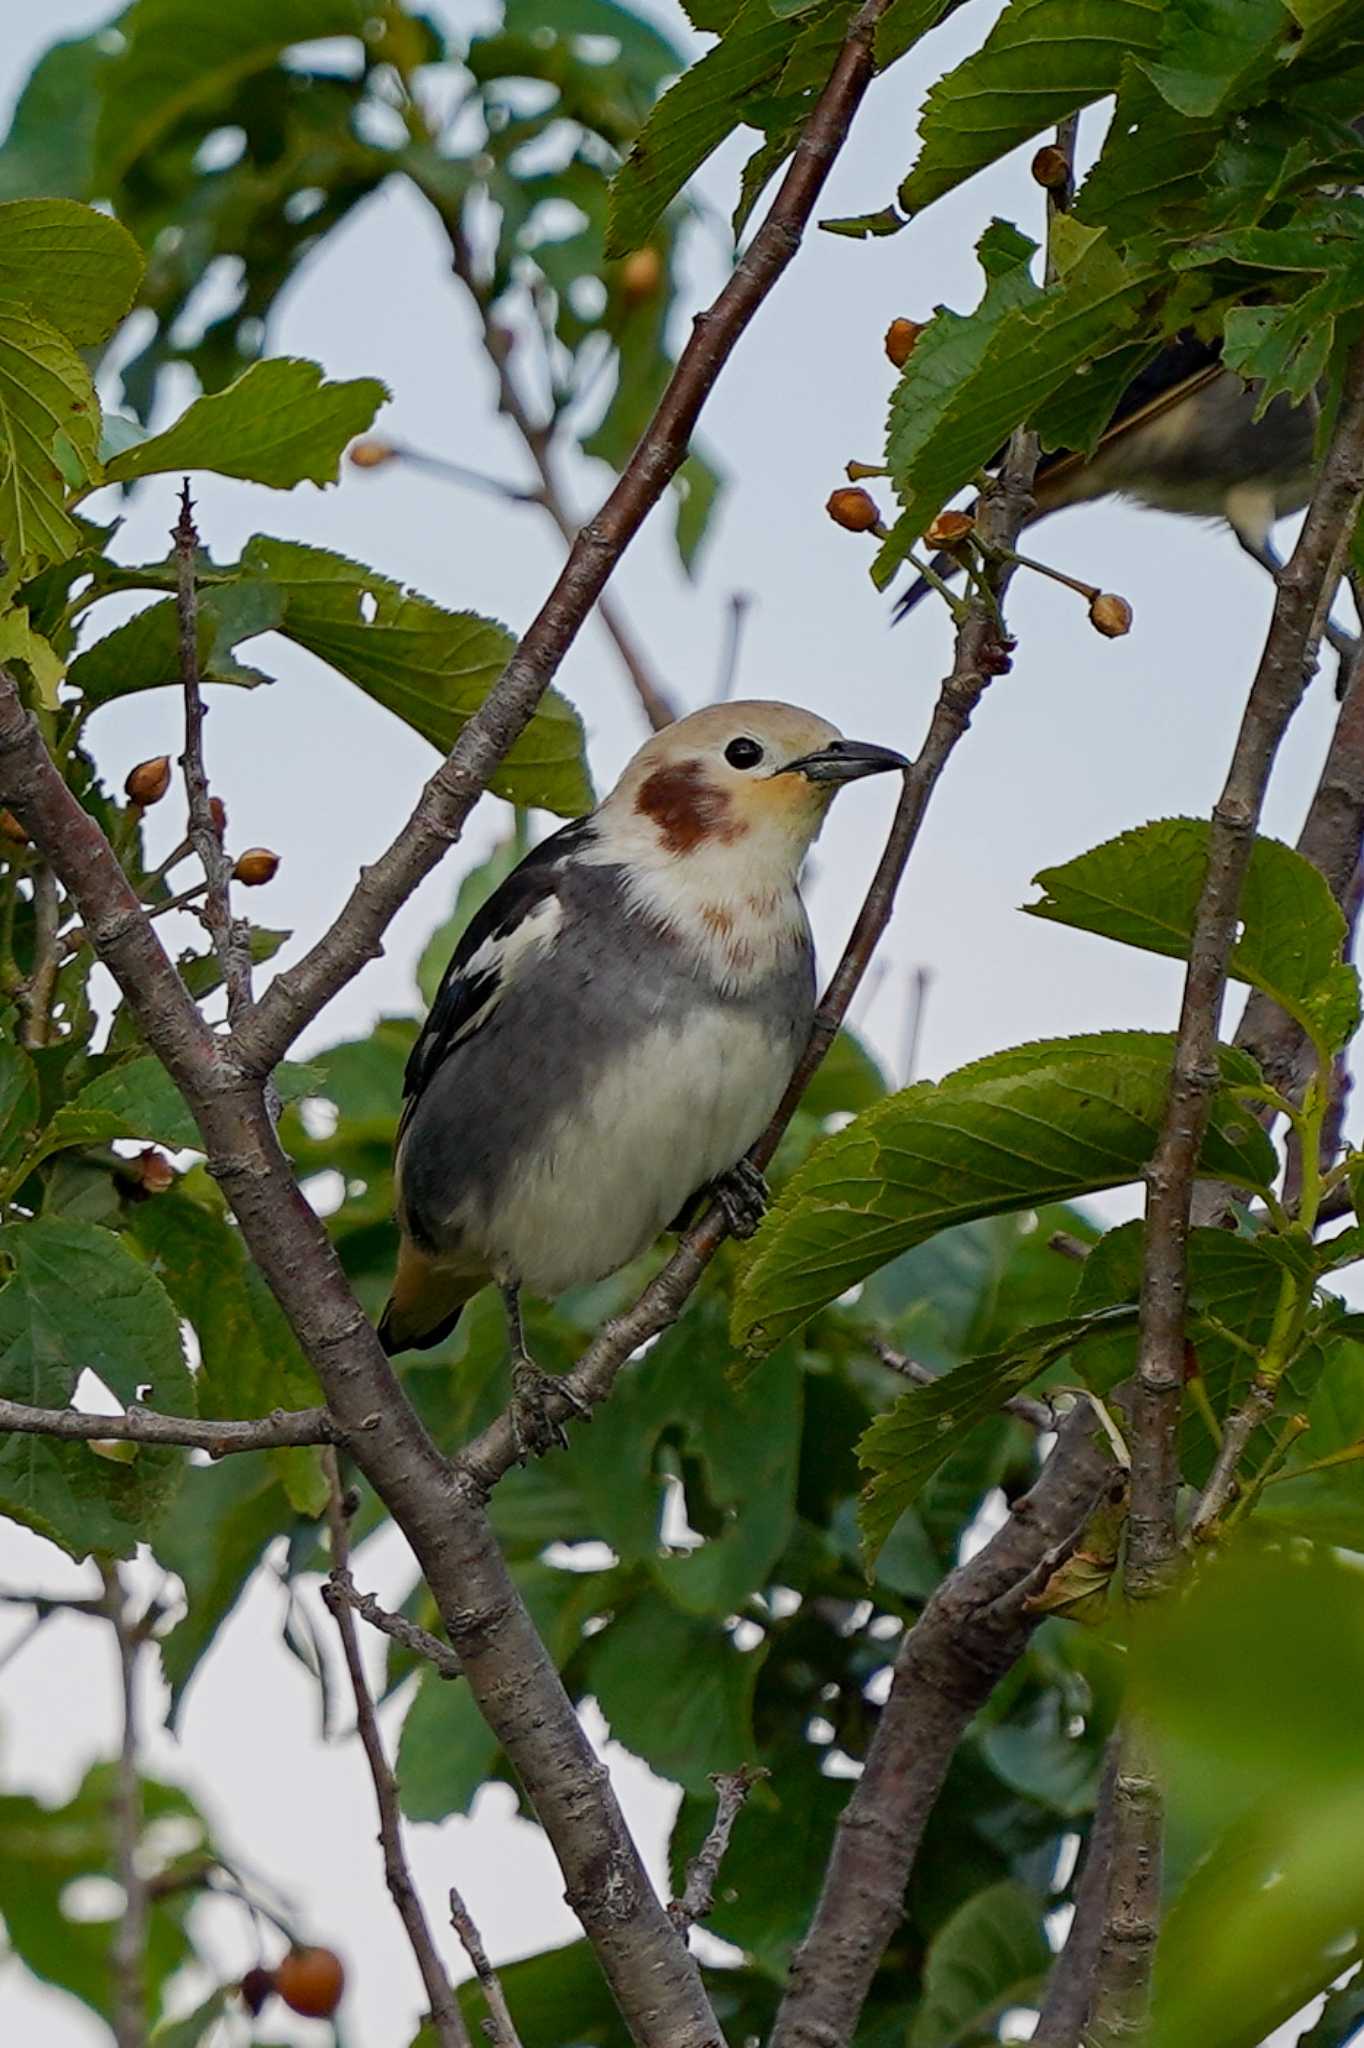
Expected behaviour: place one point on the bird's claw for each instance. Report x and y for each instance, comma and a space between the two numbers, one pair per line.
743, 1195
534, 1429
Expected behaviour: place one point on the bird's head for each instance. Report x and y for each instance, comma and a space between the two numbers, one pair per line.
749, 782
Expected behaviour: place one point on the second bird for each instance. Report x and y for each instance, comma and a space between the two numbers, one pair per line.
617, 1026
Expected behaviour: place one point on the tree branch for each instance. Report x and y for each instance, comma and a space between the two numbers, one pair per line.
698, 1893
446, 2021
973, 1629
1304, 593
294, 998
145, 1426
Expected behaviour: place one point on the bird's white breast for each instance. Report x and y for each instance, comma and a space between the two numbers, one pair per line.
672, 1110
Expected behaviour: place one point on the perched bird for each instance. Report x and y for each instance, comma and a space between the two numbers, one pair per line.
1184, 438
616, 1027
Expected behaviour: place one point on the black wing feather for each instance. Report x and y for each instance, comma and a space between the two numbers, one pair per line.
462, 995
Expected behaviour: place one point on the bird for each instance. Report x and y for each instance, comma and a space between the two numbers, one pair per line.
616, 1027
1184, 438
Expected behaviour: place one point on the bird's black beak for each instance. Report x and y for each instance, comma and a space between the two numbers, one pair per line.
845, 761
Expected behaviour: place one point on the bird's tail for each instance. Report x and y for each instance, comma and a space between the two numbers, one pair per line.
426, 1301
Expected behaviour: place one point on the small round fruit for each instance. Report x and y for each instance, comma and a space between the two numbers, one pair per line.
1050, 168
641, 274
310, 1981
1110, 615
149, 781
256, 866
854, 509
12, 830
371, 453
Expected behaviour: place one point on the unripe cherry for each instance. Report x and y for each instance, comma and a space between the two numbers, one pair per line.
371, 453
148, 782
852, 507
1110, 615
256, 866
640, 275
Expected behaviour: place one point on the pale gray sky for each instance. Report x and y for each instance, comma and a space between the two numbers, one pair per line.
1084, 738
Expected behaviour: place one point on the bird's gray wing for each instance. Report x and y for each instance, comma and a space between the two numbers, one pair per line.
514, 925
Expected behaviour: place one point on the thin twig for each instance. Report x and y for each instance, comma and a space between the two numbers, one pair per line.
920, 981
1065, 2009
231, 936
698, 1892
128, 1947
145, 1426
1304, 592
500, 2026
740, 602
1038, 1415
446, 2020
409, 1633
295, 997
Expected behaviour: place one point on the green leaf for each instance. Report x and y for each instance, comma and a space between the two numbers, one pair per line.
49, 434
213, 1536
49, 149
992, 1954
692, 119
972, 380
903, 24
144, 652
1043, 60
181, 54
77, 1300
1152, 160
675, 1691
19, 642
1142, 889
46, 1850
69, 265
249, 1361
1215, 53
696, 488
281, 423
906, 1445
430, 667
1041, 1123
193, 2029
18, 1099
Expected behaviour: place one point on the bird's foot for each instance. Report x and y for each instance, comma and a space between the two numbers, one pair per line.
743, 1195
535, 1429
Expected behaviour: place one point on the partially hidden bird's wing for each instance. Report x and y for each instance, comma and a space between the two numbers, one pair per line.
1173, 374
516, 923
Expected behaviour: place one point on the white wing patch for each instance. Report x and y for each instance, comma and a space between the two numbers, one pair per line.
507, 955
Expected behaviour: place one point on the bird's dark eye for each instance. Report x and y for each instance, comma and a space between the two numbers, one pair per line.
743, 753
